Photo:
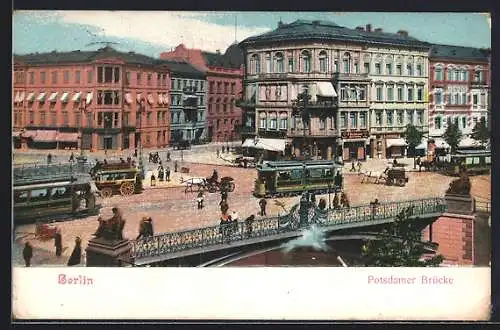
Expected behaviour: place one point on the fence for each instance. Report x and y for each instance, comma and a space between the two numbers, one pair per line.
166, 243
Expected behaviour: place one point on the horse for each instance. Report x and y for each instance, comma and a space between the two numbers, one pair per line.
373, 174
189, 183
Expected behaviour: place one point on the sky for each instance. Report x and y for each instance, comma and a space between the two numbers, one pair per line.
153, 32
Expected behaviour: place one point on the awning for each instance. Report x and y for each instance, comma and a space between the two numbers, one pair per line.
21, 97
16, 134
28, 134
89, 97
165, 99
76, 97
16, 98
45, 136
266, 144
396, 143
422, 145
41, 97
139, 97
53, 97
468, 142
30, 97
67, 137
128, 98
160, 99
151, 100
441, 143
326, 89
64, 97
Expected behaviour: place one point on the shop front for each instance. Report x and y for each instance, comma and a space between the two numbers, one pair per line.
354, 145
395, 147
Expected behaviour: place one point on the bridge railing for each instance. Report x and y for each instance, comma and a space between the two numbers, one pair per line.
166, 243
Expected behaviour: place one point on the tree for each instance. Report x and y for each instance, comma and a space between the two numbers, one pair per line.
413, 137
480, 131
399, 245
452, 135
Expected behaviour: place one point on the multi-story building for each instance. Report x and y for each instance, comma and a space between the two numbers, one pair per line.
381, 78
115, 99
459, 87
225, 77
188, 95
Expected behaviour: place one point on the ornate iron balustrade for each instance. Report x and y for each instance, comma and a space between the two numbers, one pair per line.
166, 243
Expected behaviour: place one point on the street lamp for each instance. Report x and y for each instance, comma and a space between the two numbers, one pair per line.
83, 108
142, 108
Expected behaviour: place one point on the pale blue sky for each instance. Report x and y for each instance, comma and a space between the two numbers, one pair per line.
153, 32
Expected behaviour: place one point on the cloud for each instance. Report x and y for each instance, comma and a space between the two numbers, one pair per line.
158, 28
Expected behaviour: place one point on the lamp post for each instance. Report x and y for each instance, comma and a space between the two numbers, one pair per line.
81, 159
142, 107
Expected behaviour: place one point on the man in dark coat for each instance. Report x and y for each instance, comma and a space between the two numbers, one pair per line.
76, 255
167, 174
58, 242
262, 204
27, 253
72, 158
168, 156
175, 166
49, 158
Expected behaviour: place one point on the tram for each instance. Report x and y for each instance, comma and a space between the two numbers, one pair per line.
290, 178
474, 161
42, 198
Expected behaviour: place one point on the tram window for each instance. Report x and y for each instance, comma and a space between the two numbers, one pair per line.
20, 196
296, 174
476, 160
39, 195
60, 192
468, 161
487, 160
283, 176
316, 173
328, 173
130, 175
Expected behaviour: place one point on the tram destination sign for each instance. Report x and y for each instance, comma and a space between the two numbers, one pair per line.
360, 134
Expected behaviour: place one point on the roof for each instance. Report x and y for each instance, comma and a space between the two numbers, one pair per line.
182, 68
325, 30
233, 58
78, 56
458, 52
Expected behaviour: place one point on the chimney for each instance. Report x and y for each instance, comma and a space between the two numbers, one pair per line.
403, 33
368, 28
360, 28
378, 30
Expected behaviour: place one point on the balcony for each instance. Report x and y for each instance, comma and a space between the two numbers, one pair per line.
245, 103
351, 76
272, 133
327, 132
478, 83
330, 104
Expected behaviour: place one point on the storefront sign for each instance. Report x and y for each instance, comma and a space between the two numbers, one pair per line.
355, 134
392, 136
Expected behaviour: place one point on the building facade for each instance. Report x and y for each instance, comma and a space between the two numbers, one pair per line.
364, 85
111, 99
459, 88
224, 74
188, 97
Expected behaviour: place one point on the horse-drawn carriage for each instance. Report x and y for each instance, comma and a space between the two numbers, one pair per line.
245, 161
391, 176
210, 184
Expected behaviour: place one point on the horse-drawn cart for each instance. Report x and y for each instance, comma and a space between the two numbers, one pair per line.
225, 184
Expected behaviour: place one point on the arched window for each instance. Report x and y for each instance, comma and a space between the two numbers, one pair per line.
279, 63
254, 64
268, 63
438, 73
210, 105
346, 63
323, 61
224, 106
305, 57
217, 106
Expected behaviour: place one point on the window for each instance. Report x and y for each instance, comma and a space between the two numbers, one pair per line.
400, 118
336, 65
322, 123
379, 93
54, 77
388, 69
464, 122
226, 87
53, 118
400, 93
456, 75
438, 96
290, 62
343, 120
410, 116
449, 74
347, 65
362, 120
263, 123
362, 94
438, 123
149, 78
273, 123
138, 78
399, 69
354, 120
390, 119
77, 77
149, 117
32, 78
65, 118
99, 74
420, 93
464, 76
117, 75
283, 123
344, 95
179, 82
356, 67
202, 86
31, 117
410, 94
268, 63
378, 118
89, 119
475, 99
378, 69
66, 76
90, 76
42, 118
438, 74
42, 77
39, 195
464, 98
390, 92
254, 64
306, 61
108, 74
409, 69
323, 61
420, 118
419, 70
367, 67
233, 86
483, 99
279, 65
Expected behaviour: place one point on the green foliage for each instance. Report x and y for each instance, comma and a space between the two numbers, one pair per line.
413, 137
399, 245
480, 131
452, 135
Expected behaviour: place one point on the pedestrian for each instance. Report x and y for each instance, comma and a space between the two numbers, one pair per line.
135, 152
249, 225
148, 224
76, 255
58, 242
49, 158
160, 173
105, 152
336, 202
71, 158
215, 176
168, 156
218, 152
153, 180
223, 195
200, 199
322, 204
223, 149
262, 204
224, 206
175, 166
182, 155
167, 173
27, 254
142, 228
359, 166
353, 169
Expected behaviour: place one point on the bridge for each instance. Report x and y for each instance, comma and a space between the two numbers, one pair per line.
203, 246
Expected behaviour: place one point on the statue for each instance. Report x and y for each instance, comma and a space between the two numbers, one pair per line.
111, 229
460, 186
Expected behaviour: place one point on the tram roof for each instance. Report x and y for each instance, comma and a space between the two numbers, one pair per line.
43, 185
282, 165
472, 152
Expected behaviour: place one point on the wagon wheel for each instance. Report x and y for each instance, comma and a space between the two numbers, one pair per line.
127, 189
231, 186
212, 188
389, 181
106, 192
401, 182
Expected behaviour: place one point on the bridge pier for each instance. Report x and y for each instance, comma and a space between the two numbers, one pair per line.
107, 253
